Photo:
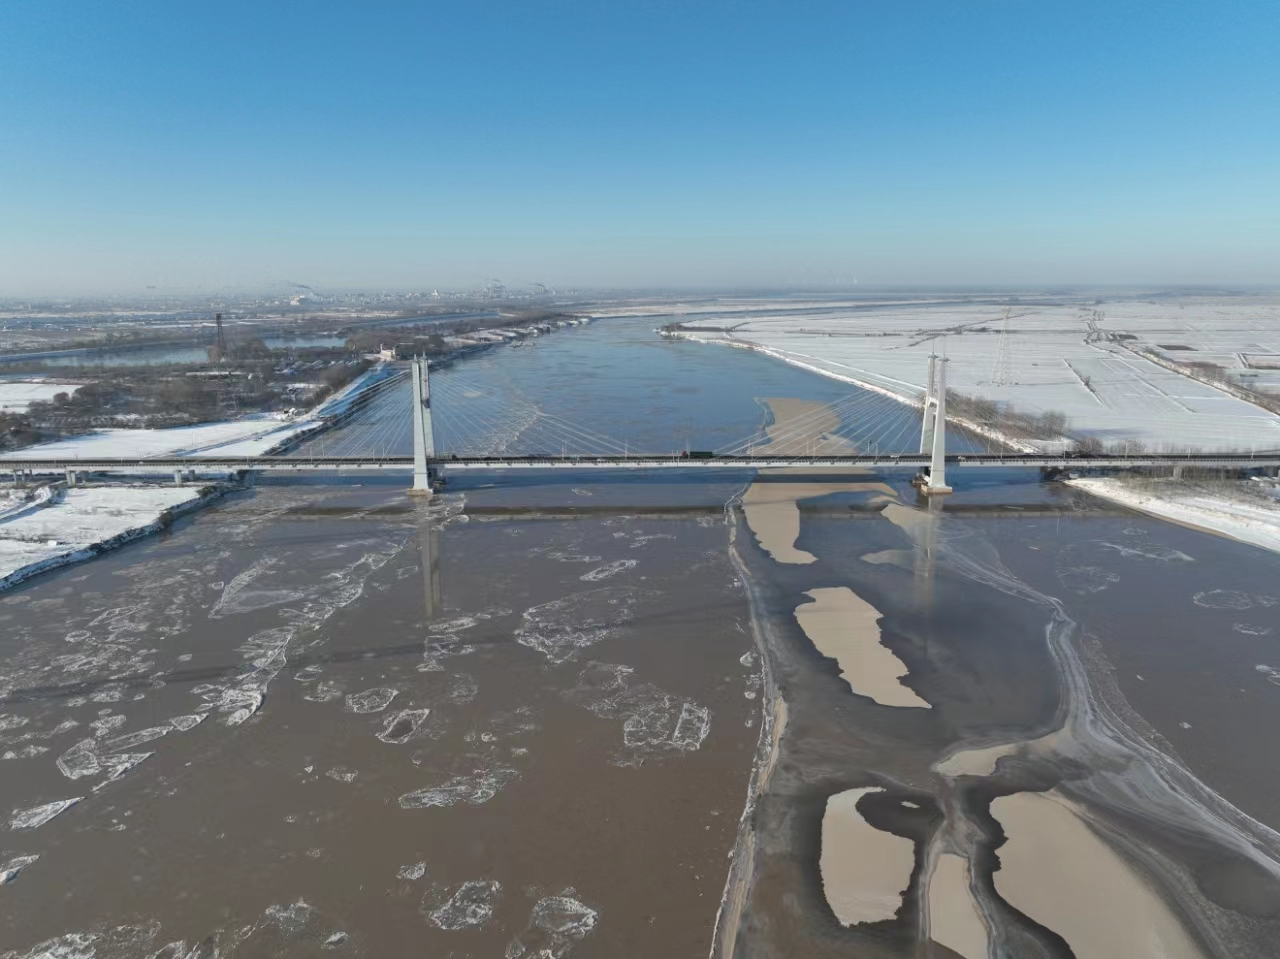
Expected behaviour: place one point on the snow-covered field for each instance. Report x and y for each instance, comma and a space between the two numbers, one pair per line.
232, 437
70, 527
1041, 354
250, 436
17, 397
1232, 510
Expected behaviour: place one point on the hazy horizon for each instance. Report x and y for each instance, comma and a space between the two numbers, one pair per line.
478, 297
648, 146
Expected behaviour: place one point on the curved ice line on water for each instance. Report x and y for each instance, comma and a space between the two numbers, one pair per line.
1127, 774
741, 872
1082, 711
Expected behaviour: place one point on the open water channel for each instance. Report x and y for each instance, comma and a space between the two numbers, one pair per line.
525, 719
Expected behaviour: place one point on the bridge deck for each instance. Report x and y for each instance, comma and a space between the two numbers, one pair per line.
910, 461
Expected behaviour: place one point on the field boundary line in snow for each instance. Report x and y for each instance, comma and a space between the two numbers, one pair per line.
1239, 393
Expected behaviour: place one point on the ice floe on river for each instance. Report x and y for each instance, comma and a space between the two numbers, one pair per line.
13, 868
289, 577
412, 871
37, 816
293, 917
1165, 554
473, 790
472, 905
561, 627
556, 925
371, 700
120, 942
184, 723
293, 929
653, 721
1231, 599
402, 726
1087, 579
240, 698
607, 570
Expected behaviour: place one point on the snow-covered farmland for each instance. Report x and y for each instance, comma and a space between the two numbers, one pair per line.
17, 397
242, 437
251, 435
76, 524
1065, 354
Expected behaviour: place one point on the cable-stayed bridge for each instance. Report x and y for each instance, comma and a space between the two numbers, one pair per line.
430, 424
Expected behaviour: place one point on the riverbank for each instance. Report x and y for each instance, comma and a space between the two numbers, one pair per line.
899, 390
78, 524
1233, 510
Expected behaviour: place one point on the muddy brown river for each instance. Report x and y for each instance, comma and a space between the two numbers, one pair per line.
331, 718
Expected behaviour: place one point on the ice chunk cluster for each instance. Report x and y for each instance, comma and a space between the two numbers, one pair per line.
560, 628
371, 700
474, 790
402, 726
556, 925
1231, 599
652, 720
471, 906
37, 816
607, 570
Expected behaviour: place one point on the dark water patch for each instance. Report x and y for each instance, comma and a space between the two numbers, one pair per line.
572, 512
1174, 660
966, 604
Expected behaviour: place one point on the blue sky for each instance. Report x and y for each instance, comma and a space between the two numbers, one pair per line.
694, 143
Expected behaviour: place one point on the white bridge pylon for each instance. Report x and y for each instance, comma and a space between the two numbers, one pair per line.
933, 427
424, 441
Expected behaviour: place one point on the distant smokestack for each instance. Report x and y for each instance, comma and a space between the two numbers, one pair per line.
222, 336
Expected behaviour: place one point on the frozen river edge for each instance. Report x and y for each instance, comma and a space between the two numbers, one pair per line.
87, 522
1254, 523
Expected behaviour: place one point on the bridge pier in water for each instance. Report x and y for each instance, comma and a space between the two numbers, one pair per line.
424, 444
933, 429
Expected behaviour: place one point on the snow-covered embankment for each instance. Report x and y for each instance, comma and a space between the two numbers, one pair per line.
1233, 510
80, 523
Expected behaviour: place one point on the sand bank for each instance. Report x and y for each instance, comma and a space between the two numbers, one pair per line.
954, 919
864, 870
803, 427
982, 760
773, 515
1055, 869
771, 509
846, 628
